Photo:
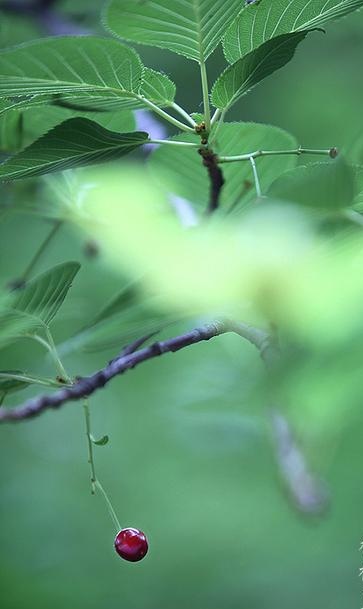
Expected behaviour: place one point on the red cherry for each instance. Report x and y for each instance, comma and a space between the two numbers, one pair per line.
131, 544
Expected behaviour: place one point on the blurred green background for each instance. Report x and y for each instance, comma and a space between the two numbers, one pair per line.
190, 459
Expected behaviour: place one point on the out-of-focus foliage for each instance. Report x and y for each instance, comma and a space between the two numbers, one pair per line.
191, 456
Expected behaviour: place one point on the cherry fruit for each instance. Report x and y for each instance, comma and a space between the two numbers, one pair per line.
131, 544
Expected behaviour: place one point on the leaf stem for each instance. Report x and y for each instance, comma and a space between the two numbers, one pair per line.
24, 378
53, 350
216, 116
256, 178
332, 152
165, 115
220, 116
205, 90
184, 114
173, 143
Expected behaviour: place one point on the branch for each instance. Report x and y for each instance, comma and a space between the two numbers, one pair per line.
210, 161
84, 387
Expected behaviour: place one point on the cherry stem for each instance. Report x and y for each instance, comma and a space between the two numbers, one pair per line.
95, 483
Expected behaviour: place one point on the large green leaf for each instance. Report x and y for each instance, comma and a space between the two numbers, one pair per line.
180, 169
247, 72
42, 296
192, 28
74, 143
71, 66
320, 185
266, 19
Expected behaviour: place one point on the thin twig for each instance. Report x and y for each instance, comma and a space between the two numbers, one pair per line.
88, 385
332, 152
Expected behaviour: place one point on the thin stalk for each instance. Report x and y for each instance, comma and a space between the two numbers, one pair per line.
256, 178
91, 462
205, 90
183, 113
109, 505
26, 379
220, 123
53, 350
254, 155
165, 115
43, 246
216, 116
95, 483
173, 143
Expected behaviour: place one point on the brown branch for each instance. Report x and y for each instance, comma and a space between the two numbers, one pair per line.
126, 361
216, 178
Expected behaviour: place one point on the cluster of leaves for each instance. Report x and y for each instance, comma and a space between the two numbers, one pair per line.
70, 102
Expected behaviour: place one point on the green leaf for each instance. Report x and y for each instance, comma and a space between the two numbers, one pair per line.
101, 442
158, 88
267, 19
42, 296
192, 28
71, 66
247, 72
180, 169
74, 143
320, 185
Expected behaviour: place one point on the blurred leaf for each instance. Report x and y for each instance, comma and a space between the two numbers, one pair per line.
320, 185
158, 88
71, 65
127, 297
74, 143
42, 296
247, 72
262, 21
180, 170
192, 28
101, 442
14, 324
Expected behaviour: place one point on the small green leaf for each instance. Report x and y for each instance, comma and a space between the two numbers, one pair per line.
320, 185
42, 296
247, 72
158, 88
101, 442
192, 28
263, 20
74, 143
